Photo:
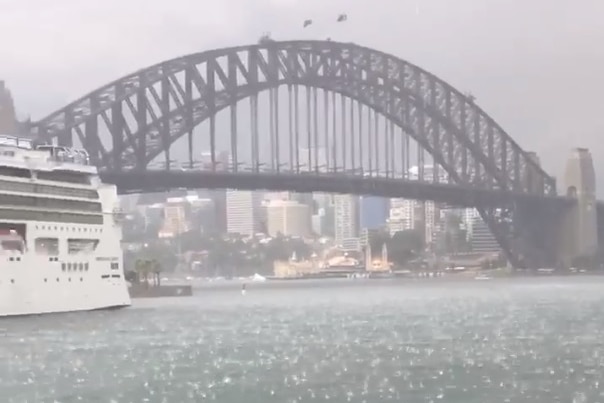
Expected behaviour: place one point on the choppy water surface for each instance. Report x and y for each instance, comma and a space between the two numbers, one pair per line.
370, 341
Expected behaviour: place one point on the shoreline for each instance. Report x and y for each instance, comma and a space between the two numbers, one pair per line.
475, 278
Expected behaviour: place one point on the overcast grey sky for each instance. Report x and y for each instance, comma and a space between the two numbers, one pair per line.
534, 65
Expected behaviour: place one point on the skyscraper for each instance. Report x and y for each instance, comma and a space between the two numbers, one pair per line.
288, 217
243, 212
346, 214
223, 161
175, 218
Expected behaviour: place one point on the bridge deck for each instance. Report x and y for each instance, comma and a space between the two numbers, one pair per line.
160, 180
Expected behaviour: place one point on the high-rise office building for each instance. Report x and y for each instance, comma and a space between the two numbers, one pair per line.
288, 218
244, 212
423, 216
401, 216
175, 218
223, 163
346, 217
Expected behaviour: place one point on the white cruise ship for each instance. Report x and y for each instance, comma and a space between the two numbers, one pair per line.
60, 232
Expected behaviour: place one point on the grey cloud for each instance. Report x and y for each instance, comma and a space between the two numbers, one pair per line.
534, 65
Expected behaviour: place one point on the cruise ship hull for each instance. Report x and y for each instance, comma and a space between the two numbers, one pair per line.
52, 296
57, 292
22, 315
35, 289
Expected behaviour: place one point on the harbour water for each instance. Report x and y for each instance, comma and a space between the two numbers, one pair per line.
508, 340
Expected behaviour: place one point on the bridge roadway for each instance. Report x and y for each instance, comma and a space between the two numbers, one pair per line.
143, 181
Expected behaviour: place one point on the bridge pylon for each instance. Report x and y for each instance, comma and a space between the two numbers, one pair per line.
578, 230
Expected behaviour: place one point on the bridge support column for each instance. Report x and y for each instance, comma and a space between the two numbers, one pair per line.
535, 233
578, 232
534, 227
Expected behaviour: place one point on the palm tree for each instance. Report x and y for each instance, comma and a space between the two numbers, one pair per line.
139, 267
143, 268
155, 267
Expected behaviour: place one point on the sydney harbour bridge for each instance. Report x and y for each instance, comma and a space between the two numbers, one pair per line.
323, 116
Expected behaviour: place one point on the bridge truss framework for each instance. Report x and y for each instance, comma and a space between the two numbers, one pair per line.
378, 113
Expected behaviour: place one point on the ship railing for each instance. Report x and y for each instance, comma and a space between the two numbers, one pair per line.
15, 142
66, 154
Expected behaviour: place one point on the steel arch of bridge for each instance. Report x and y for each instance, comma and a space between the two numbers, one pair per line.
466, 142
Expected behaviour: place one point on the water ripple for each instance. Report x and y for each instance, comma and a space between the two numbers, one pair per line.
428, 342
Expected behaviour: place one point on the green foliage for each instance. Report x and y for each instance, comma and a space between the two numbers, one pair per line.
405, 246
148, 270
377, 241
453, 239
281, 248
236, 257
161, 252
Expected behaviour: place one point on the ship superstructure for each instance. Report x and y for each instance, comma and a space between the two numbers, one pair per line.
60, 232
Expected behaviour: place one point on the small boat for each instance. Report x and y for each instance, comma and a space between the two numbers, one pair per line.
243, 289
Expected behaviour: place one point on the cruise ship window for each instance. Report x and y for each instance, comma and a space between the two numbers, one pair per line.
81, 266
86, 266
15, 245
71, 177
63, 266
76, 245
15, 172
51, 216
47, 246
